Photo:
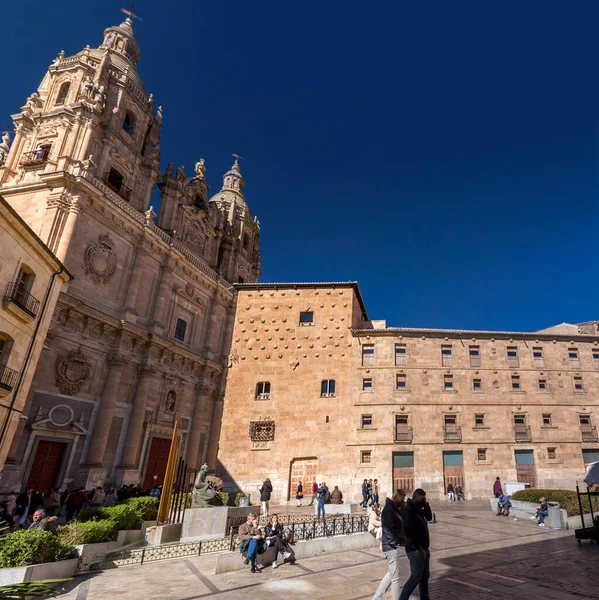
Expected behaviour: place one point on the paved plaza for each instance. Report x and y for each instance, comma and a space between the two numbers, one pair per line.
474, 555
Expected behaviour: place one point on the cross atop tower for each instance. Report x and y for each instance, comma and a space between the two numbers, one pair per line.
132, 12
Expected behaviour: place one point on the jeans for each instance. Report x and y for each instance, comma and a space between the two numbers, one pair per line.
277, 542
374, 500
541, 514
419, 574
391, 577
253, 551
321, 507
364, 502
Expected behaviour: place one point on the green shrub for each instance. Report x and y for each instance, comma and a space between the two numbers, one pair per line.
46, 588
90, 532
33, 547
566, 498
123, 515
146, 507
238, 498
224, 496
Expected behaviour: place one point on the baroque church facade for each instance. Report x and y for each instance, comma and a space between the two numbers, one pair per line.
140, 338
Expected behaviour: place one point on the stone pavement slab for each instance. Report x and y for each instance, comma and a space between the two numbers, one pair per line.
474, 555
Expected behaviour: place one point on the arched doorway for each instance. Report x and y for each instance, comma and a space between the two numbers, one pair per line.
304, 470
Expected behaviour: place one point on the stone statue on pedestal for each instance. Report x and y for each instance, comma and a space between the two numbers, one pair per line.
204, 495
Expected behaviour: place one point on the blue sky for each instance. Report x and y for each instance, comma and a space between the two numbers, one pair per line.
445, 155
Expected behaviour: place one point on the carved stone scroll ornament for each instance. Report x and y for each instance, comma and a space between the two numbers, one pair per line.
99, 260
71, 372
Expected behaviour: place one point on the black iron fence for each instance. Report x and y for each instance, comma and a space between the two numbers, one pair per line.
15, 292
8, 378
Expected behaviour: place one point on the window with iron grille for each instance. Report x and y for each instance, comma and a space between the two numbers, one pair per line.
519, 420
365, 456
479, 420
537, 356
401, 382
180, 329
542, 384
263, 390
366, 385
574, 358
584, 419
262, 431
474, 352
448, 382
546, 420
368, 355
596, 358
401, 355
482, 454
512, 357
327, 388
306, 318
551, 453
446, 356
578, 386
476, 385
515, 382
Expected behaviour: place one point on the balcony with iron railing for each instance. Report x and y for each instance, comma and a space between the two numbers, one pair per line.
522, 433
35, 157
589, 433
452, 434
18, 295
120, 188
403, 434
8, 378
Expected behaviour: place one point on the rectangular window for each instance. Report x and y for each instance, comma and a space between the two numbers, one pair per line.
584, 419
180, 329
401, 420
515, 382
366, 385
542, 384
401, 355
366, 421
368, 355
306, 318
365, 456
512, 357
446, 356
590, 456
537, 356
546, 420
524, 457
578, 387
519, 420
327, 388
596, 358
482, 454
448, 382
574, 358
450, 419
474, 352
476, 385
551, 453
479, 420
401, 382
263, 390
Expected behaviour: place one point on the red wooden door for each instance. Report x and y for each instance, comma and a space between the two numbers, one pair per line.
304, 470
46, 465
157, 461
527, 474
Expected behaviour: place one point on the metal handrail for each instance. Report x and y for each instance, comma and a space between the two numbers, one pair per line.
8, 378
522, 433
16, 292
403, 435
452, 433
589, 433
35, 157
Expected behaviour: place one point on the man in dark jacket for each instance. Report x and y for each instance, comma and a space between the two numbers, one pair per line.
27, 503
364, 503
416, 515
392, 540
265, 493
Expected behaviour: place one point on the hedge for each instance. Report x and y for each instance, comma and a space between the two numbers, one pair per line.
566, 498
90, 532
146, 507
33, 547
124, 516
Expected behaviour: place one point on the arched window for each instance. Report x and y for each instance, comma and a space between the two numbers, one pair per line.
171, 401
129, 123
63, 93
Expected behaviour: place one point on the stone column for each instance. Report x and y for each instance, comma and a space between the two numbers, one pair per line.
136, 419
63, 242
163, 292
133, 288
217, 416
15, 148
97, 447
201, 415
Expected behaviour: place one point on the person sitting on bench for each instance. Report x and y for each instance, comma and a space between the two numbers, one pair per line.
274, 537
503, 506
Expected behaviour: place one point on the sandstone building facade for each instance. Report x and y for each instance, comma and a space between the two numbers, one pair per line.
317, 390
31, 278
140, 337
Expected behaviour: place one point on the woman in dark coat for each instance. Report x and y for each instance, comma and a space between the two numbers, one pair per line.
299, 495
265, 493
274, 537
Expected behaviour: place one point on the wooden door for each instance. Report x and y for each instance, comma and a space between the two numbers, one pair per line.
157, 461
403, 472
526, 471
46, 465
453, 469
304, 470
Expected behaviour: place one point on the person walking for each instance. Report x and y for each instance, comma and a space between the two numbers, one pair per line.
249, 536
497, 490
416, 515
374, 521
274, 537
299, 494
364, 503
542, 512
450, 492
375, 493
323, 492
111, 498
265, 494
314, 493
392, 540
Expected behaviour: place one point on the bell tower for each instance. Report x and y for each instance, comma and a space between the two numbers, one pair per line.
89, 125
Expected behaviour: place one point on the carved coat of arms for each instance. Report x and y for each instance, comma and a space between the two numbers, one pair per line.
71, 372
99, 260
